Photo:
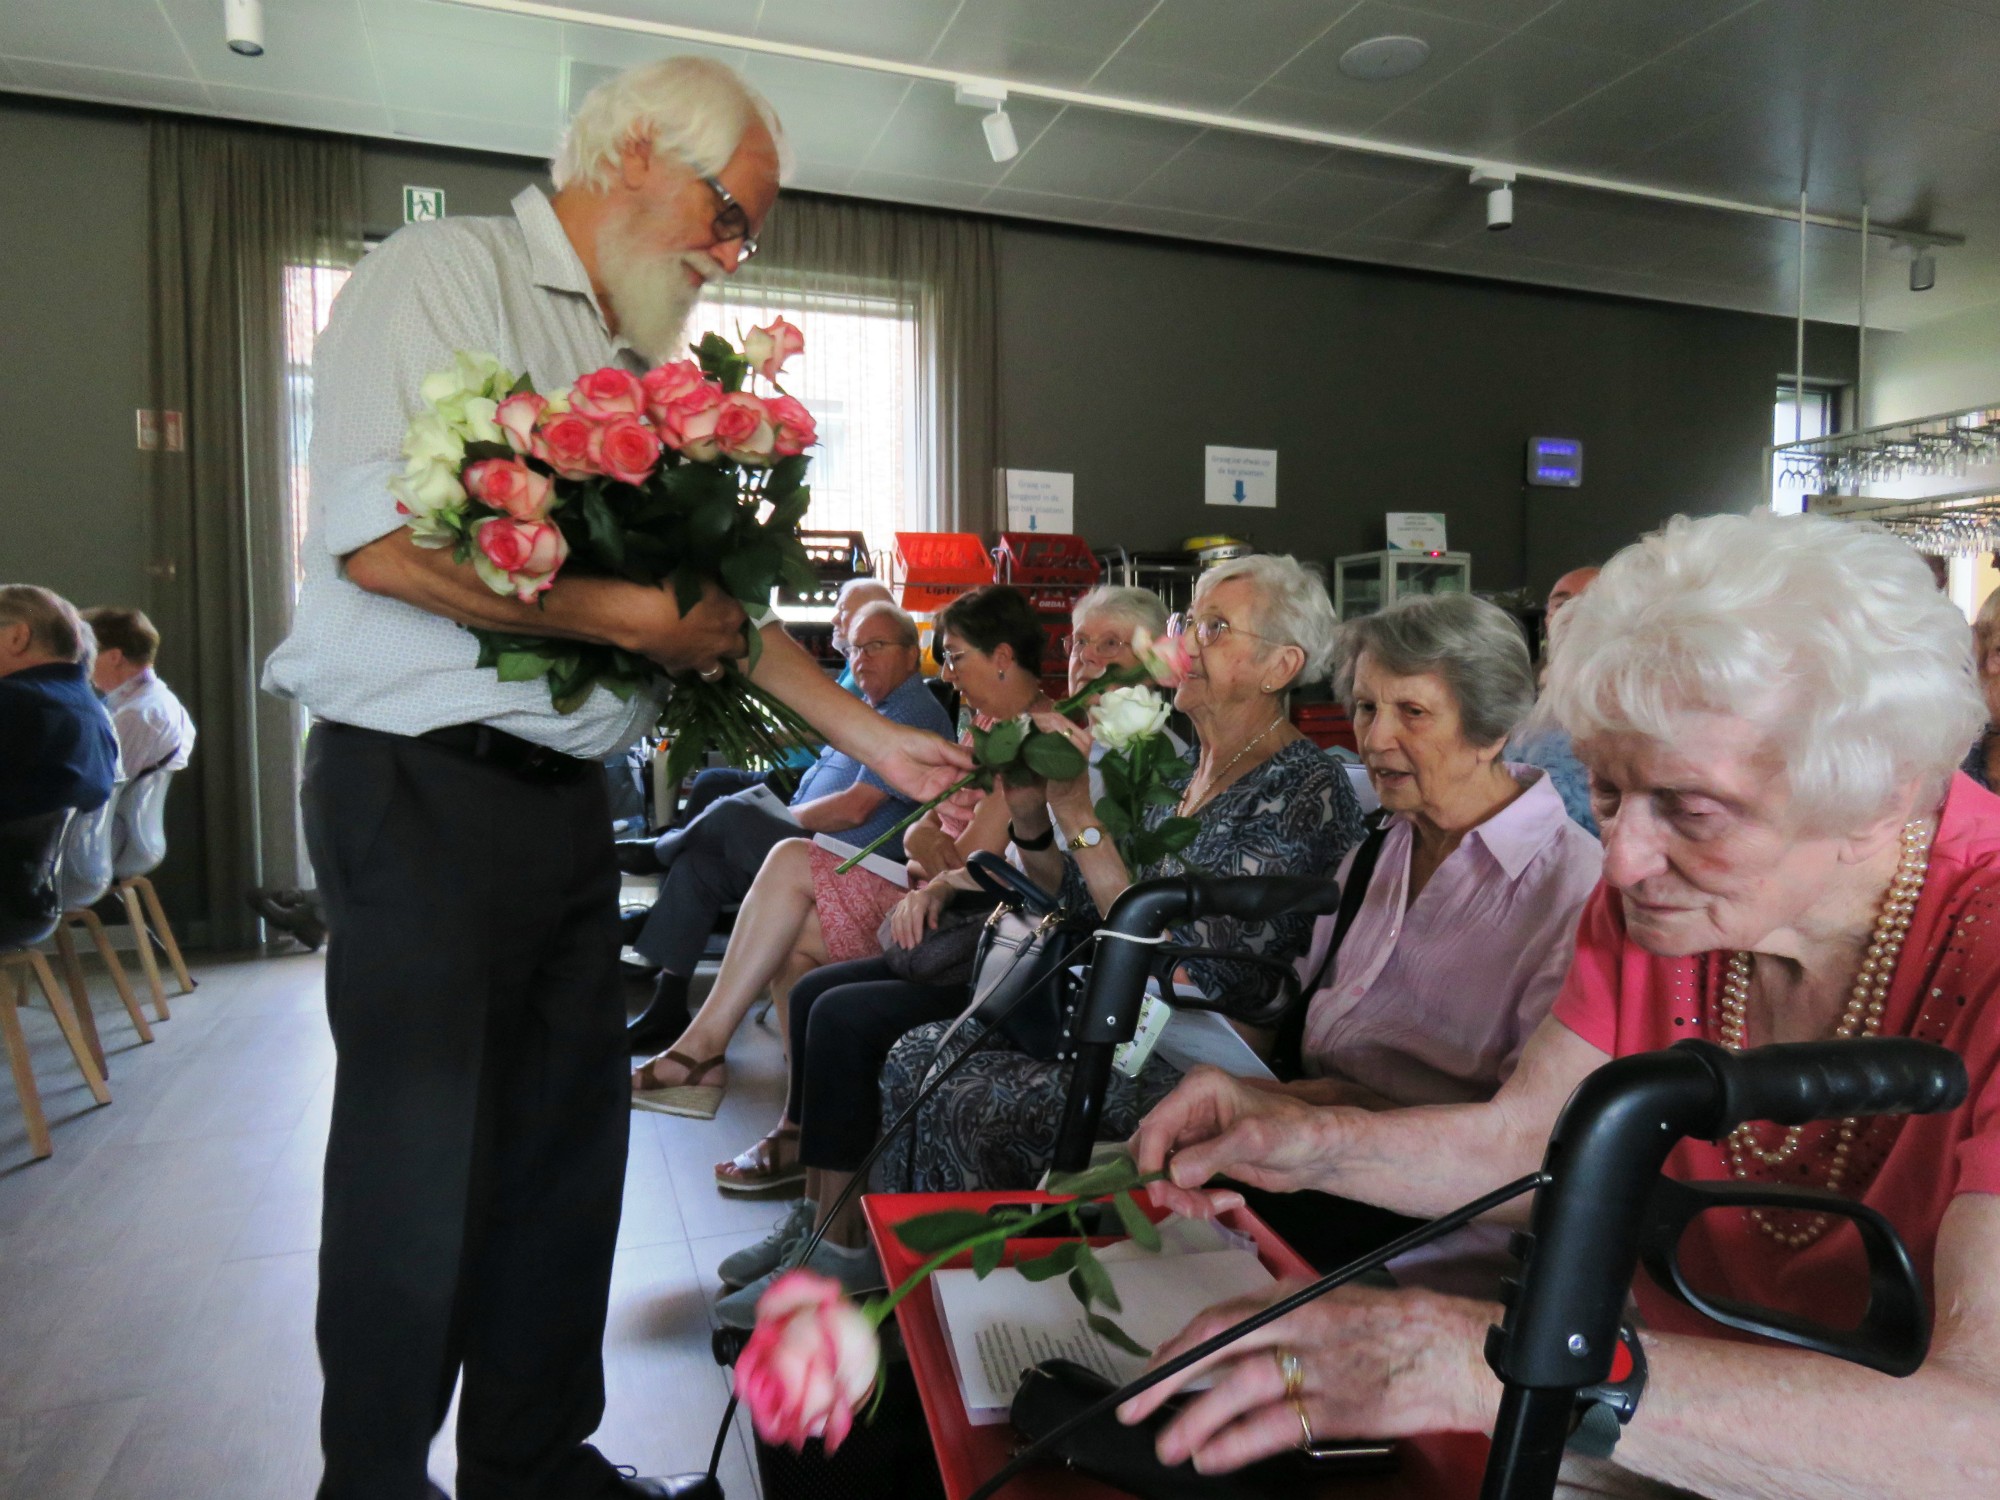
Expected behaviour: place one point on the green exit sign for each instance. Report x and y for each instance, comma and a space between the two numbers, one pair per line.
421, 204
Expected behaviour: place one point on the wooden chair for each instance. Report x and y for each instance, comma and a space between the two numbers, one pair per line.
86, 874
139, 845
30, 910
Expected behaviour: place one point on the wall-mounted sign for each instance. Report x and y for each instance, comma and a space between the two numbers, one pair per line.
1416, 530
1240, 477
1040, 500
1557, 462
422, 204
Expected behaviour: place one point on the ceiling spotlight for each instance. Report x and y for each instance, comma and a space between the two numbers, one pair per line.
1499, 183
243, 26
1381, 58
980, 93
1923, 271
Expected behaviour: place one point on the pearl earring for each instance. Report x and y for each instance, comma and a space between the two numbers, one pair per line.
1002, 674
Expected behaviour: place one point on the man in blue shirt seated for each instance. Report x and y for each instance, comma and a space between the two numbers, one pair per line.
710, 863
57, 747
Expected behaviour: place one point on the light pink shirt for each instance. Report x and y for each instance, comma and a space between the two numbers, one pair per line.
1432, 1004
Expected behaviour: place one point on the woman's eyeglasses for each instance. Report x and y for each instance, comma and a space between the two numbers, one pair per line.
1104, 645
948, 660
1206, 630
730, 222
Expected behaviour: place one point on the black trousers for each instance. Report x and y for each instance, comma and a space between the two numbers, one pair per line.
845, 1018
477, 1157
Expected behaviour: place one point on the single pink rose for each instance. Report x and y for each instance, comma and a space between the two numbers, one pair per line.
508, 484
743, 429
810, 1364
517, 417
1166, 660
606, 393
667, 384
767, 349
688, 423
796, 431
562, 441
518, 557
625, 448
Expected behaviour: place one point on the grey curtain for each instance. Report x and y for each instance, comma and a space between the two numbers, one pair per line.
231, 208
945, 266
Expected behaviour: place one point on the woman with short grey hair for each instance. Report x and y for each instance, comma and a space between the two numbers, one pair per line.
1289, 604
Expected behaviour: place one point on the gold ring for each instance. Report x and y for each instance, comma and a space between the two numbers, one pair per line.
1305, 1426
1290, 1371
711, 674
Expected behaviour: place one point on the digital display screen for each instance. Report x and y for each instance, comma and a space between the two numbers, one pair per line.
1555, 461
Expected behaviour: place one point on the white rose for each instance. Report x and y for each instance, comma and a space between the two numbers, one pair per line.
431, 441
428, 492
476, 421
469, 375
1126, 715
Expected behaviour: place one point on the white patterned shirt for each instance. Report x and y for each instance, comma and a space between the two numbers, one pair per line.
154, 730
510, 287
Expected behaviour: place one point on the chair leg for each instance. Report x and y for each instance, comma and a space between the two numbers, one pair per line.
71, 1030
116, 970
79, 994
159, 916
12, 985
137, 920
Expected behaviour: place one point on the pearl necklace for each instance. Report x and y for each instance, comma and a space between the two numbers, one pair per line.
1862, 1016
1182, 810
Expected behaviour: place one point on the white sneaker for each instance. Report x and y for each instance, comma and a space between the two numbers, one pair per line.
761, 1259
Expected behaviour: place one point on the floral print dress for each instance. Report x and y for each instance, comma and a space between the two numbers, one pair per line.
993, 1124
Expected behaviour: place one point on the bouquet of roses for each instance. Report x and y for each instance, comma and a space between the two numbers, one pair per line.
815, 1357
679, 476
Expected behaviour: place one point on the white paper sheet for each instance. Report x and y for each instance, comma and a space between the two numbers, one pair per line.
888, 869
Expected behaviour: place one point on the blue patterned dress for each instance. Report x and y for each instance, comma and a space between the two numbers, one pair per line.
993, 1123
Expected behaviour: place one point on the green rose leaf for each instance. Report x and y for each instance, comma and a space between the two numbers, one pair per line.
1145, 1233
711, 521
687, 589
787, 474
1116, 820
1047, 1267
520, 666
1053, 757
986, 1256
1110, 1332
752, 574
1120, 1174
999, 746
931, 1234
788, 512
753, 647
1096, 1280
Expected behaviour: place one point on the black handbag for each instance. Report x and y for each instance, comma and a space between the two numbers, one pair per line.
1020, 983
947, 953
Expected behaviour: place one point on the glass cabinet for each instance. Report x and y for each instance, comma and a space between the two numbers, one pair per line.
1368, 581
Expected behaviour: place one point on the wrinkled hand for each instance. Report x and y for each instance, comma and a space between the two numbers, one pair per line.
917, 763
710, 633
1213, 1125
917, 914
1376, 1364
929, 851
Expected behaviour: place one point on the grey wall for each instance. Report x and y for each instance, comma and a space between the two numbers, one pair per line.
1122, 358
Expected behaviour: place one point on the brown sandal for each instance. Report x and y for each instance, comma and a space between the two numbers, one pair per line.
763, 1168
690, 1097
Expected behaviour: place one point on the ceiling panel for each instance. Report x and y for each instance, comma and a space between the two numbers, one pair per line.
1057, 206
616, 50
312, 113
906, 30
105, 83
1333, 202
1345, 103
1148, 219
1161, 83
1603, 131
1223, 173
459, 23
140, 41
1051, 41
520, 138
1243, 39
932, 136
831, 114
1089, 154
317, 47
508, 85
1642, 28
1511, 87
901, 187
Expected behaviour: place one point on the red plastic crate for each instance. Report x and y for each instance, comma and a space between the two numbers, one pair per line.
929, 569
1326, 725
1053, 569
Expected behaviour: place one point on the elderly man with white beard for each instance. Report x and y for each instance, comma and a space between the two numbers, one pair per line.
458, 824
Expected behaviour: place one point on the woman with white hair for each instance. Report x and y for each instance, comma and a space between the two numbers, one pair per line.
1772, 710
1982, 761
1267, 801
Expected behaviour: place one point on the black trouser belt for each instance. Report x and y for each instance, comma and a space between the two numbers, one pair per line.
509, 752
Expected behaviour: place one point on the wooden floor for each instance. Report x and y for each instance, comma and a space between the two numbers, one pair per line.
157, 1274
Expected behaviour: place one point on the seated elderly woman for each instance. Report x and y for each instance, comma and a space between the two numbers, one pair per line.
1468, 924
1982, 761
1266, 800
846, 1016
1772, 710
800, 914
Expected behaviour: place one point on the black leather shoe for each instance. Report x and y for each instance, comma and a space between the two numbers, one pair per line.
636, 856
667, 1487
665, 1019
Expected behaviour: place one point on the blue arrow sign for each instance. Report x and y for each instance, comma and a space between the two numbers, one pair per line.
1239, 497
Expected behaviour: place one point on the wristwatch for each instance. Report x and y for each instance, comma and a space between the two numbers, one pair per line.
1602, 1410
1087, 837
1034, 845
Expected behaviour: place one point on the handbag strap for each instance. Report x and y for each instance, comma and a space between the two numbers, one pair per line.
1288, 1052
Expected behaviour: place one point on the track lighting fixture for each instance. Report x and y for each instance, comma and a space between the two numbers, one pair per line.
1923, 270
243, 26
980, 94
1499, 185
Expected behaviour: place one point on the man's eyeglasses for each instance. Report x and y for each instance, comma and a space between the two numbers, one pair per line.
730, 222
859, 649
1104, 645
1207, 630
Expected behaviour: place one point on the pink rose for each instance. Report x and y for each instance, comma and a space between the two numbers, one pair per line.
624, 448
607, 393
517, 417
767, 349
1166, 660
794, 426
667, 384
562, 441
518, 557
811, 1361
688, 424
743, 429
510, 485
